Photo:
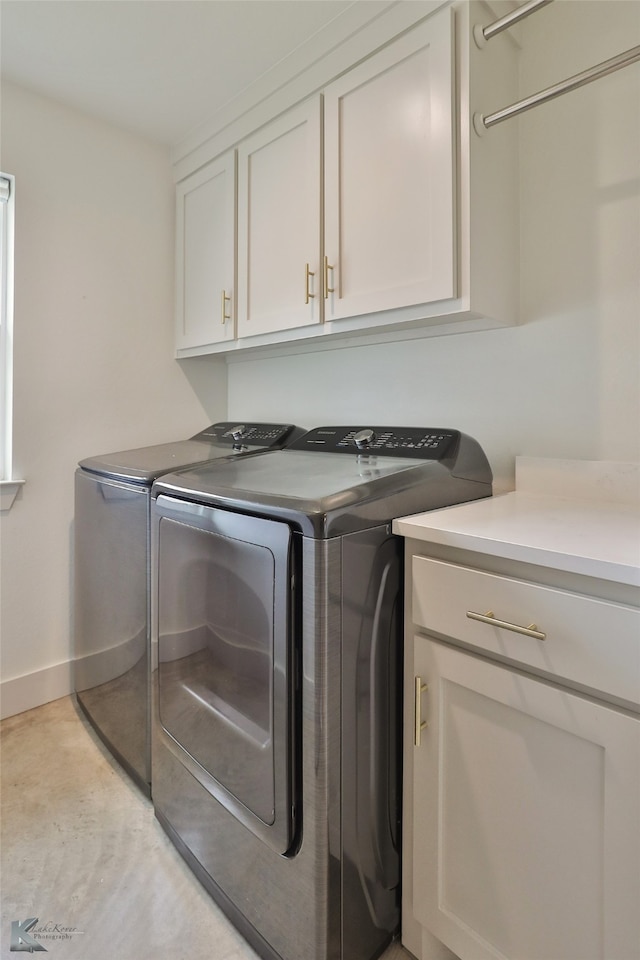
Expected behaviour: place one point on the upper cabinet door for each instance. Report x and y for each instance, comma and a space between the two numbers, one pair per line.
279, 223
205, 254
390, 176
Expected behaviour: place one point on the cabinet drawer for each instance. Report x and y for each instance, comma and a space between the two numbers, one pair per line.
591, 642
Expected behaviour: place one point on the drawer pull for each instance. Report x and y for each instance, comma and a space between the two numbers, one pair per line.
420, 724
489, 617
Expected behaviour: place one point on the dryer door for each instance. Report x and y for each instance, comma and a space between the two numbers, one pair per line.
225, 677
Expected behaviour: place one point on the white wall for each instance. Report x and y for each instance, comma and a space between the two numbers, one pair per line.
93, 365
566, 381
94, 341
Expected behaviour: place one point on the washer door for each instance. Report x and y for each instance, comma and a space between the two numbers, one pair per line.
225, 677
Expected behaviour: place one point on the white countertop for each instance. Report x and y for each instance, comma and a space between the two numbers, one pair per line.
594, 537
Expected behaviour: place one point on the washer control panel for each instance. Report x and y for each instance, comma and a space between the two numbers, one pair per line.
250, 434
420, 443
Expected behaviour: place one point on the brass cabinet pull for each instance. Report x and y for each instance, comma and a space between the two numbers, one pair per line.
489, 617
420, 724
327, 288
308, 273
225, 300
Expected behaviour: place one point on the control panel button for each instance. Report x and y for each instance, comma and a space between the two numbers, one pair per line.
364, 438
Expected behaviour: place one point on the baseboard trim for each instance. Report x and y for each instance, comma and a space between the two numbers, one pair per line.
35, 689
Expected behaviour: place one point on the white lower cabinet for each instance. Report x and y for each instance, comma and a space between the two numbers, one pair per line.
526, 806
522, 769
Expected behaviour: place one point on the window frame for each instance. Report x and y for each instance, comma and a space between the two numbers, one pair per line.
8, 485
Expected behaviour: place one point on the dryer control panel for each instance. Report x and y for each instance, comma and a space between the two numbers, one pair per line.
249, 434
420, 443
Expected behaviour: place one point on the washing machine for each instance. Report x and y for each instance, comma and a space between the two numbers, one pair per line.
277, 650
112, 576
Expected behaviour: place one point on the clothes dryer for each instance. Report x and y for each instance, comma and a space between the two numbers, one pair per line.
112, 575
276, 722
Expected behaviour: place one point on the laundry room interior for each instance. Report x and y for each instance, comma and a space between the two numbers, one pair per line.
95, 365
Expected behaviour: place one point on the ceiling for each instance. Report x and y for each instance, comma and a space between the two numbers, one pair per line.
157, 67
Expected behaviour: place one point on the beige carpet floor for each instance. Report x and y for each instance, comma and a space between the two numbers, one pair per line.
82, 852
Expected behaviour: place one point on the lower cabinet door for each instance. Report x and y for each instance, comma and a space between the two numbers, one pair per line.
526, 806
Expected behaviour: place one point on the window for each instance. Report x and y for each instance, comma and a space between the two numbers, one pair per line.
8, 487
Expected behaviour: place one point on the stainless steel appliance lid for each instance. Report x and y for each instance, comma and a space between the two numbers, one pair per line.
219, 441
323, 482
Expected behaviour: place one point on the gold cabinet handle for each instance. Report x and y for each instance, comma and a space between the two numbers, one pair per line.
327, 288
307, 294
489, 617
420, 724
225, 300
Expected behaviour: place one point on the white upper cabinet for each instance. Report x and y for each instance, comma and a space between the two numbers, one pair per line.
367, 204
390, 176
205, 255
279, 210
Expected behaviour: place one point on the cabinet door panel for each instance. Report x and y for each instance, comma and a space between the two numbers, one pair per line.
525, 804
205, 230
279, 223
389, 176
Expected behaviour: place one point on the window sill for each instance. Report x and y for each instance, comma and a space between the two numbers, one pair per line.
8, 493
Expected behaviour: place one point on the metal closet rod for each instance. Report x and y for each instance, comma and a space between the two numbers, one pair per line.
482, 34
482, 123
